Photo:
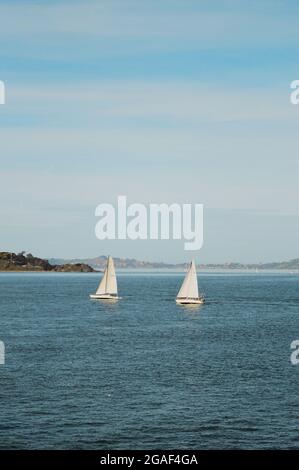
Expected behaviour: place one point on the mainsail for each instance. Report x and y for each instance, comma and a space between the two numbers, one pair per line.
111, 284
189, 287
108, 284
102, 286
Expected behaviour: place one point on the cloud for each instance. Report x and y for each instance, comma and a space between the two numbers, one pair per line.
177, 102
232, 146
81, 30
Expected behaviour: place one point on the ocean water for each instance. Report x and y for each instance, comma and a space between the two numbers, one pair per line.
145, 373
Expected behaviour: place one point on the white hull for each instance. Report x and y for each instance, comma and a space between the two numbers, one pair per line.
103, 297
190, 301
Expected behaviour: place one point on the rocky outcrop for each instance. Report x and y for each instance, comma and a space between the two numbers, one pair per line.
73, 268
21, 262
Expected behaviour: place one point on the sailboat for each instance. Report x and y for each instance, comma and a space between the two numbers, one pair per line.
107, 289
188, 293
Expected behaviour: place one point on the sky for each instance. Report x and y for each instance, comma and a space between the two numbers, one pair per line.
182, 101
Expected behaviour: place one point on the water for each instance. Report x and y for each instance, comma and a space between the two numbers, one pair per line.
146, 373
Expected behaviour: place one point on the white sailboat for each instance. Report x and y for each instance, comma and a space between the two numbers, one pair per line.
188, 293
107, 289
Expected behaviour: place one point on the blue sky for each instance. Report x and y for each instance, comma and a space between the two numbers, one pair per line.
164, 101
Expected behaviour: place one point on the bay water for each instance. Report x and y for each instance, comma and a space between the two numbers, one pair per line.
145, 373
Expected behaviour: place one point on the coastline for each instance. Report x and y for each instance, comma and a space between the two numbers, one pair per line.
160, 271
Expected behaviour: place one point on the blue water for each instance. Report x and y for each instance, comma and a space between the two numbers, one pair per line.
145, 373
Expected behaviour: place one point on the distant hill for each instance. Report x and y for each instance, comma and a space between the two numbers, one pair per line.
99, 263
28, 262
292, 264
21, 262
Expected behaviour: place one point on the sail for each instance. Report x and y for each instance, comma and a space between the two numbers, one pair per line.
102, 287
108, 284
189, 287
111, 284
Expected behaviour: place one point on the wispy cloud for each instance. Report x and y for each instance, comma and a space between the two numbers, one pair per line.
90, 29
177, 18
178, 103
231, 138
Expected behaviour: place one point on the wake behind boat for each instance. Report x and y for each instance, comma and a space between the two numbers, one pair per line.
107, 289
188, 293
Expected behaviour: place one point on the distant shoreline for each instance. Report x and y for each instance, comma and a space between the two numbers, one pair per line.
45, 271
158, 271
12, 262
98, 263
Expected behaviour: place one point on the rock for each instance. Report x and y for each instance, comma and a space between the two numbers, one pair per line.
74, 268
21, 262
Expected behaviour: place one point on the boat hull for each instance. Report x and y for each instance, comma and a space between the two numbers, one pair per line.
103, 297
186, 301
